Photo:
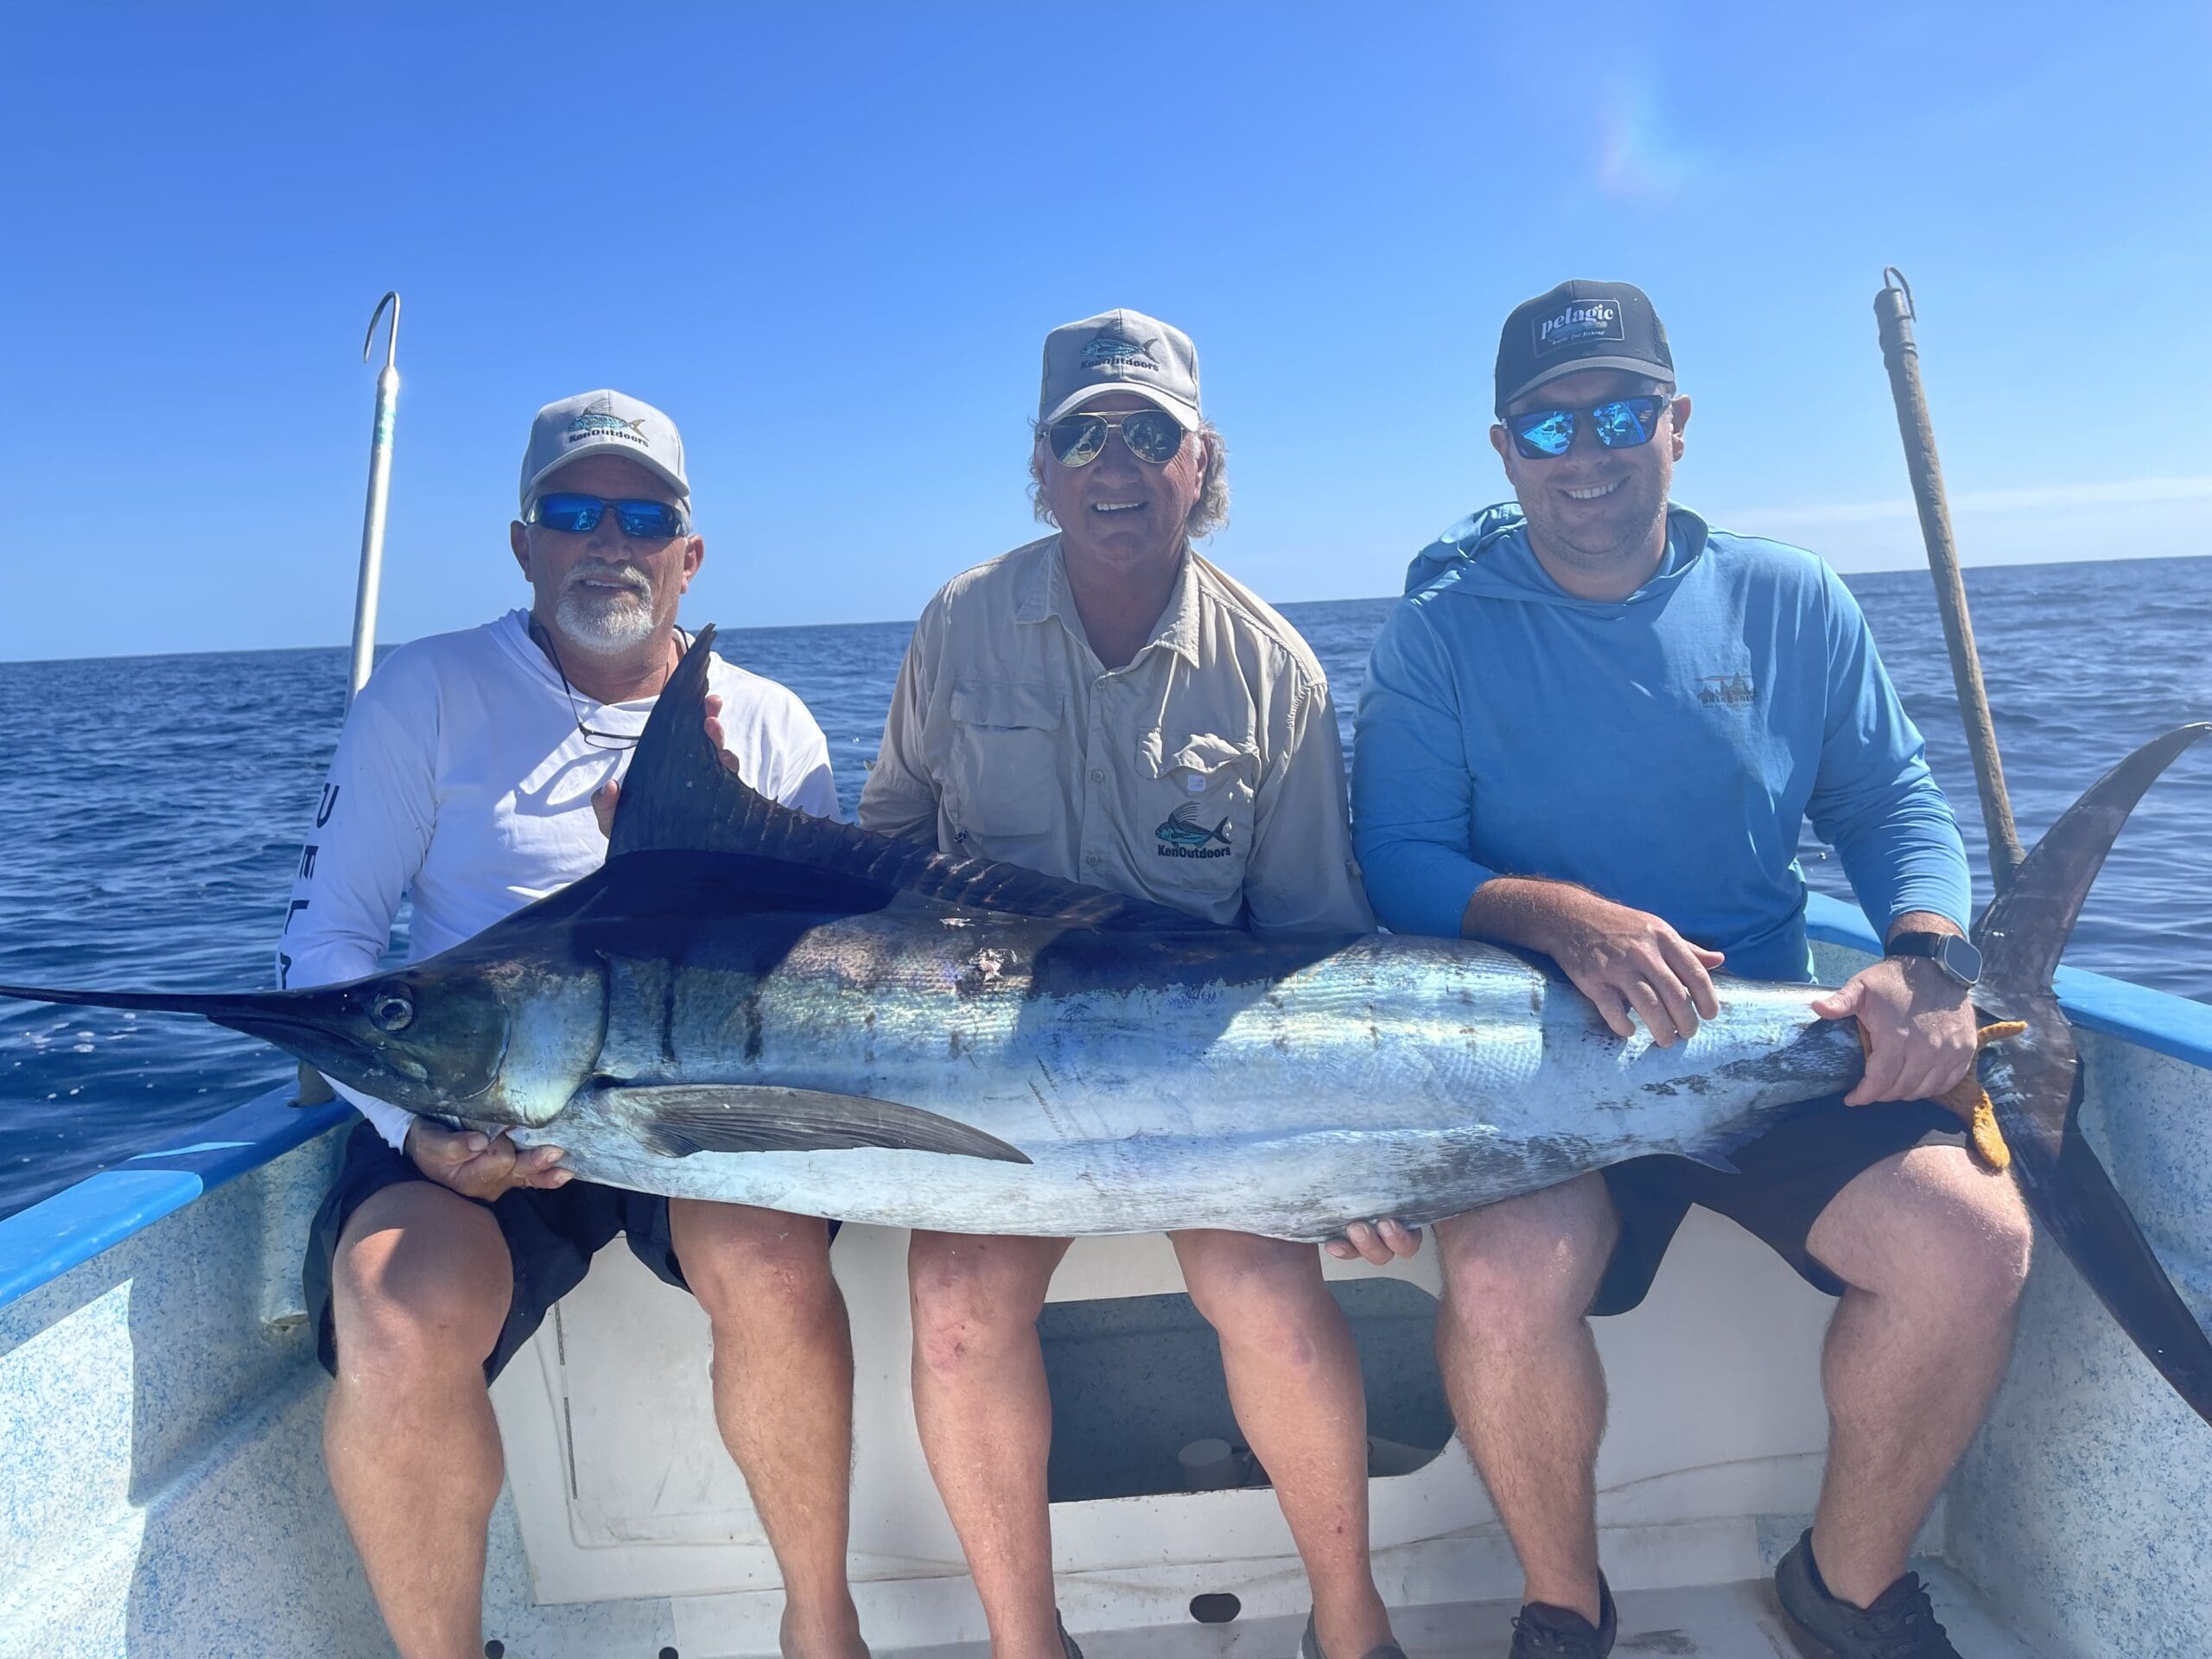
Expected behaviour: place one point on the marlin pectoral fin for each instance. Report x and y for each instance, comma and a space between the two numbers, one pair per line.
678, 1120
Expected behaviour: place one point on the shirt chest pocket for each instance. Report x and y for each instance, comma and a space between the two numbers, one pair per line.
1003, 765
1198, 808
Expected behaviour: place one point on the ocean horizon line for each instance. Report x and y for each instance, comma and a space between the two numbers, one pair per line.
886, 622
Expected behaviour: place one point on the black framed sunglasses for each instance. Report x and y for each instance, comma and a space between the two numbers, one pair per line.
1618, 423
1152, 436
579, 515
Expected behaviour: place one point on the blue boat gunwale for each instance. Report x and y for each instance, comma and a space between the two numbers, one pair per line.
39, 1244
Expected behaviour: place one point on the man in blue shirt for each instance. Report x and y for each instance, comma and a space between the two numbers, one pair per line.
1593, 730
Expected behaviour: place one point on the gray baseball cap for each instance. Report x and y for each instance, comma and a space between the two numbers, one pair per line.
603, 423
1119, 351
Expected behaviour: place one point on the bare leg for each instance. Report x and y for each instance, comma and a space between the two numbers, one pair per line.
1935, 1251
420, 1287
986, 1419
1522, 1369
1293, 1380
783, 1399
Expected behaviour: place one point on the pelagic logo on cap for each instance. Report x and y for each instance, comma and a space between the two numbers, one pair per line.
1119, 351
597, 424
1580, 320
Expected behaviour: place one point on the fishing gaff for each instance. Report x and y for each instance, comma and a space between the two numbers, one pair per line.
372, 516
1893, 314
313, 1089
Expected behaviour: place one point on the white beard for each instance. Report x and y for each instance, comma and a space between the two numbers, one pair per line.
605, 626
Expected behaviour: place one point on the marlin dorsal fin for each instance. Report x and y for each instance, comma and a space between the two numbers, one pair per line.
678, 795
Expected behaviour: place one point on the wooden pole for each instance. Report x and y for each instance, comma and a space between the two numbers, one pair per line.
1893, 314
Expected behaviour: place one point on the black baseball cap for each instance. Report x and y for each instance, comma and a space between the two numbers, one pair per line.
1580, 325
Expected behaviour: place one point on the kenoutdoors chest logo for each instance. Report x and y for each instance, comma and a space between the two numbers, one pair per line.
1183, 837
597, 423
1582, 320
1727, 691
1118, 351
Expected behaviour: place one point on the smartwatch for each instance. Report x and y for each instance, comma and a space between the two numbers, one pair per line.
1960, 961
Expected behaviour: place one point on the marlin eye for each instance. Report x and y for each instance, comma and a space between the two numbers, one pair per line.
392, 1009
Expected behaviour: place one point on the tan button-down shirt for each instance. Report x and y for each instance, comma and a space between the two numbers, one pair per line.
1205, 774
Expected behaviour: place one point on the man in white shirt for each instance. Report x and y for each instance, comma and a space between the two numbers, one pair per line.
464, 781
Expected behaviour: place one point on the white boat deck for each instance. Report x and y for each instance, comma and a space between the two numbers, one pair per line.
1724, 1621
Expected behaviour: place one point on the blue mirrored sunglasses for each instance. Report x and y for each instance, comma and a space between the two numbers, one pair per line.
577, 515
1623, 423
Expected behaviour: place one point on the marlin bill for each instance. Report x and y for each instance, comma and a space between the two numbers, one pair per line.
752, 1005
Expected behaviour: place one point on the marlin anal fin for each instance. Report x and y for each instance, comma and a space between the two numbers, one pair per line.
677, 1120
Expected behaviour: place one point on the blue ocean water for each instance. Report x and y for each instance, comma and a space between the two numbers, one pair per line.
152, 810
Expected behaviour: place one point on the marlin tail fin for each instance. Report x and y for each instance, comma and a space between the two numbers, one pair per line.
2035, 1080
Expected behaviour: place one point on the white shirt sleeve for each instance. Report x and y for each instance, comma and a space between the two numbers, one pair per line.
807, 783
371, 828
778, 746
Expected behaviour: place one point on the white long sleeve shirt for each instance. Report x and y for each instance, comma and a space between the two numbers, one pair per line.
463, 783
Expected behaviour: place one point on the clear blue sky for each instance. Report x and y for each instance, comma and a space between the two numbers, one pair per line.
829, 239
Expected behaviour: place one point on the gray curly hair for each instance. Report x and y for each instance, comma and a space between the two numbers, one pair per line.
1209, 513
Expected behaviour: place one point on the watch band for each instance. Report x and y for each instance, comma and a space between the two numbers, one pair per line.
1956, 957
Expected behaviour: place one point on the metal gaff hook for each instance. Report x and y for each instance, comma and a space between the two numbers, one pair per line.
1892, 277
391, 337
372, 516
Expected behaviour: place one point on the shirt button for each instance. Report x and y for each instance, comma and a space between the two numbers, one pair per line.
1090, 858
1098, 774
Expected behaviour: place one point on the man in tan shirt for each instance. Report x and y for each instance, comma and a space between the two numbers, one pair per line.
1106, 706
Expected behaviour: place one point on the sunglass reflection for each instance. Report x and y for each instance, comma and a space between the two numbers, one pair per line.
1152, 436
578, 515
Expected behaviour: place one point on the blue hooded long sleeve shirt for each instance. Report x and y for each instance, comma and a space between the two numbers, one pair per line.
1661, 750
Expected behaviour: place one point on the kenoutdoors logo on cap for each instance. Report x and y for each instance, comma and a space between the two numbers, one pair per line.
597, 424
1581, 320
1118, 351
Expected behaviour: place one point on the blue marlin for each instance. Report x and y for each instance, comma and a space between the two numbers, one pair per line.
749, 1004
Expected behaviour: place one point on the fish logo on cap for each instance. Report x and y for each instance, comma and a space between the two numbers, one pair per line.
1119, 351
597, 424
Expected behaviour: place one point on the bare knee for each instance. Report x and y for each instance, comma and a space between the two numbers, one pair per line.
751, 1267
1261, 1296
407, 1317
973, 1297
1528, 1263
1974, 1249
1933, 1231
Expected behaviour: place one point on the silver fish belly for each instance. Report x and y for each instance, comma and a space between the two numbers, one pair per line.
1391, 1076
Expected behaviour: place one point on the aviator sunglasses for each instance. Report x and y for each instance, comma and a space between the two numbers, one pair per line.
1152, 436
578, 515
1620, 423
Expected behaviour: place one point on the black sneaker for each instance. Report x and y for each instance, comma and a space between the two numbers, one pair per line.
1901, 1624
1310, 1646
1544, 1631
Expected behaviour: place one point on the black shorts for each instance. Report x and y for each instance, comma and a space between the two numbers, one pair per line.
552, 1235
1788, 1175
